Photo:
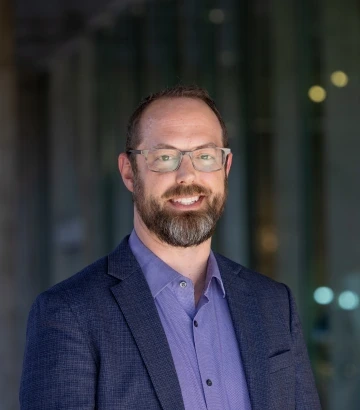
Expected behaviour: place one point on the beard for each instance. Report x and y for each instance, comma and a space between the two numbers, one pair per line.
184, 228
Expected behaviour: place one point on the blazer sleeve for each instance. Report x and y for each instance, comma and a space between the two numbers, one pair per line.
306, 396
59, 370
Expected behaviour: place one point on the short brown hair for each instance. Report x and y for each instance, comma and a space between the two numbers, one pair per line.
133, 137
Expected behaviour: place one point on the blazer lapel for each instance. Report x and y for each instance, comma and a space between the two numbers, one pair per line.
249, 330
137, 305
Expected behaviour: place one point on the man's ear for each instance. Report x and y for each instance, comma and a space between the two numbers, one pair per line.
228, 163
126, 171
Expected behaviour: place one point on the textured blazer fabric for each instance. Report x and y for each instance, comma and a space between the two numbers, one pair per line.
95, 341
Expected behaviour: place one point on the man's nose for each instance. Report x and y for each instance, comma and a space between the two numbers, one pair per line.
186, 172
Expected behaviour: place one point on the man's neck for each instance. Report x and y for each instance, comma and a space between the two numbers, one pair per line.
190, 262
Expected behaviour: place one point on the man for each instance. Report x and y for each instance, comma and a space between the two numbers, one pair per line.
162, 322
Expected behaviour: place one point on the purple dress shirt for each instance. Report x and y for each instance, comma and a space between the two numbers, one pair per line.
201, 338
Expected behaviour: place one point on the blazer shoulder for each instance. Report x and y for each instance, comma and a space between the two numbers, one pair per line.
85, 277
82, 287
256, 280
91, 286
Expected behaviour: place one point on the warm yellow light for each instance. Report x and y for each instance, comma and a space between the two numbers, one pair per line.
339, 78
317, 94
268, 240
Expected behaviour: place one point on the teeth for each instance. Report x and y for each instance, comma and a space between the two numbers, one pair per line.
186, 201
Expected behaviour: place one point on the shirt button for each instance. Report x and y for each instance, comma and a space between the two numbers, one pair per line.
209, 382
183, 284
196, 324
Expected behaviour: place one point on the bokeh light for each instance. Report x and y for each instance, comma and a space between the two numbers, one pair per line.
317, 94
339, 78
348, 300
216, 16
323, 295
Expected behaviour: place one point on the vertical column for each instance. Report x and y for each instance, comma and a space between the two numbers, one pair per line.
9, 357
287, 148
126, 74
66, 222
341, 45
88, 165
233, 229
116, 87
32, 157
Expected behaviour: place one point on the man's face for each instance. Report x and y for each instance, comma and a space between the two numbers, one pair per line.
180, 207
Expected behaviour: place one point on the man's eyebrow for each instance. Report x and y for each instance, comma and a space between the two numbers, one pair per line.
167, 146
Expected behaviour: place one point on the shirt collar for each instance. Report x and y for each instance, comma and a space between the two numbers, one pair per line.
213, 272
159, 275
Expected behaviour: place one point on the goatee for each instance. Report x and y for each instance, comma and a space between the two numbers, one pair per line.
180, 229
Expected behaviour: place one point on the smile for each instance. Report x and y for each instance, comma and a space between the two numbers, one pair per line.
186, 201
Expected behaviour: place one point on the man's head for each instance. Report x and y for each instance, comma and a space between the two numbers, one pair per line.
180, 207
133, 135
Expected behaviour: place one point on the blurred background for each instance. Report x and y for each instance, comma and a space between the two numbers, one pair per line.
286, 76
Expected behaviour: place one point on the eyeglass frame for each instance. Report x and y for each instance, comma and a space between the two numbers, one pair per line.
145, 153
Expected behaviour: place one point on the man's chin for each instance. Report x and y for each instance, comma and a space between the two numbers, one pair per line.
182, 241
184, 215
182, 229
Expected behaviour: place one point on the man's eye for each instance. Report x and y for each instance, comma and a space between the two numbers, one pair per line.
164, 158
206, 157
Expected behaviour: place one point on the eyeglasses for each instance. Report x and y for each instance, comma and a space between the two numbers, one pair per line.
167, 160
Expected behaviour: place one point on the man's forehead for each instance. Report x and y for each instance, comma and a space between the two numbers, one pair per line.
181, 112
182, 122
167, 103
167, 107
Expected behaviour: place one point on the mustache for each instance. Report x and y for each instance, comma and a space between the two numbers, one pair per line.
187, 190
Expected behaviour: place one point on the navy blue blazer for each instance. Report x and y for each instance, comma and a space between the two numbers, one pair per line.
95, 341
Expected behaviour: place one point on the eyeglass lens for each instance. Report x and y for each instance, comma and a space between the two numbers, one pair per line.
204, 159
